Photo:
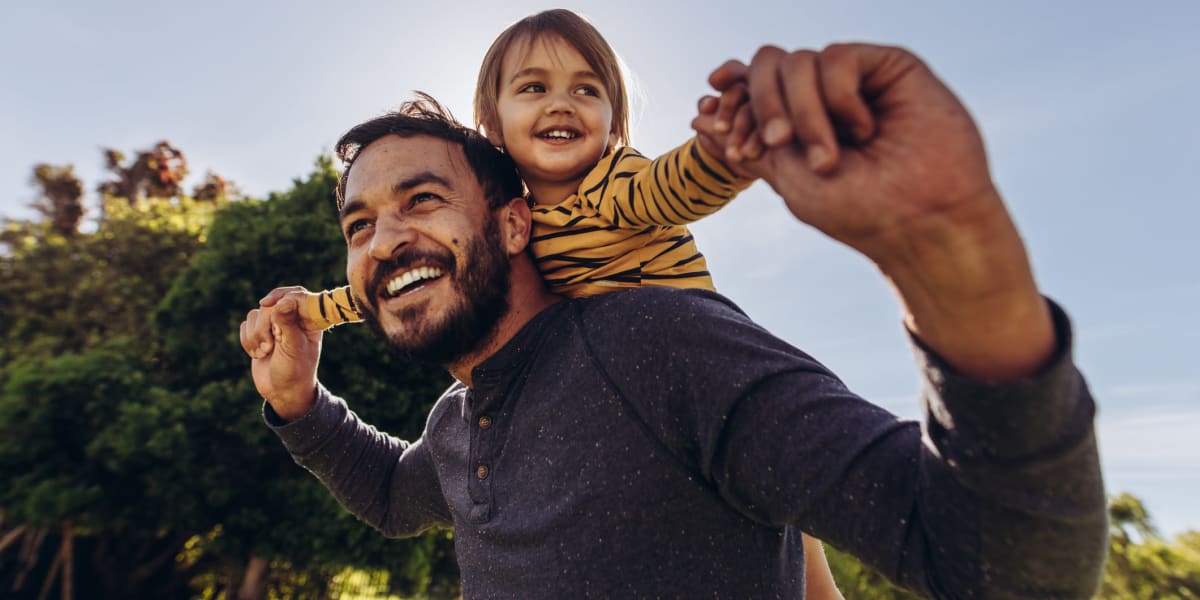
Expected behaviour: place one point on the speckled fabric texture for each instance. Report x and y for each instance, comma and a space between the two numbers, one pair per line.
657, 443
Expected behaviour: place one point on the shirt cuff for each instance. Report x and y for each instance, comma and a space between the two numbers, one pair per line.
970, 419
309, 431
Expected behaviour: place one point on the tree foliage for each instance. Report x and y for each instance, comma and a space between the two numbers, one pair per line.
60, 197
156, 173
130, 436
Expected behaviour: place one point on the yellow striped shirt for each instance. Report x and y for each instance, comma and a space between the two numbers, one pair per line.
624, 228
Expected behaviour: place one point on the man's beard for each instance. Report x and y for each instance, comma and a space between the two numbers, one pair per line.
482, 300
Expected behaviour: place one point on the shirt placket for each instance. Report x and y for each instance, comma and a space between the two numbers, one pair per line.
485, 448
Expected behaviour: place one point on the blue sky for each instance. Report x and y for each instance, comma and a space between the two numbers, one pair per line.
1089, 110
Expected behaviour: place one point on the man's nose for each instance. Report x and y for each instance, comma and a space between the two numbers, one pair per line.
392, 235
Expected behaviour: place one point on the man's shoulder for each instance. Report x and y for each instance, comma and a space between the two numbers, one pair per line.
656, 312
654, 299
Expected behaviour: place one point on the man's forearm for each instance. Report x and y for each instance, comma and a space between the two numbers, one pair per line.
384, 481
968, 291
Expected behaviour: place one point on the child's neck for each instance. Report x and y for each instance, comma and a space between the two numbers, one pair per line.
552, 192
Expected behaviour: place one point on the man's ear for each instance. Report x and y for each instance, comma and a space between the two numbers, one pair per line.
515, 225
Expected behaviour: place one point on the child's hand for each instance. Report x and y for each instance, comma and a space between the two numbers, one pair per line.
725, 129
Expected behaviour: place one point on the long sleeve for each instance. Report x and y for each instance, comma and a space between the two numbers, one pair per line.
998, 495
388, 483
677, 188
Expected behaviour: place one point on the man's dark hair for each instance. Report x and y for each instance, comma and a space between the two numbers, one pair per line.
494, 170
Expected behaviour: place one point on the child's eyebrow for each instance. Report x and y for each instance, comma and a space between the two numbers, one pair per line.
542, 72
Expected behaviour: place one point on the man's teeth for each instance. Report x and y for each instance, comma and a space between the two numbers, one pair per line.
560, 134
410, 277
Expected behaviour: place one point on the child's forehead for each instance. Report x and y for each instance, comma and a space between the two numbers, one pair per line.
554, 45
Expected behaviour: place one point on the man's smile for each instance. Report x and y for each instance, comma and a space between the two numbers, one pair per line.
410, 280
394, 287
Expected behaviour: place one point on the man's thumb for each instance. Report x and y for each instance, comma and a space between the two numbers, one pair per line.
285, 322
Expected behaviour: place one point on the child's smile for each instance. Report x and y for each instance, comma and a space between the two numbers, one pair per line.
555, 116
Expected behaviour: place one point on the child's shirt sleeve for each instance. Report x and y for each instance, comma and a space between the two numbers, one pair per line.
677, 188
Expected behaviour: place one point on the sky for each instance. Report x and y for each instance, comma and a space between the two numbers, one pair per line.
1089, 111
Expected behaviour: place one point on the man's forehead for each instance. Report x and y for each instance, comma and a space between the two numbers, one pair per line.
392, 160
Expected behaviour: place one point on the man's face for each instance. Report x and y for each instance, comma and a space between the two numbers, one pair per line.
425, 256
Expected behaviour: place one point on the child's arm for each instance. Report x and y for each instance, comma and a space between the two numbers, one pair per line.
329, 307
677, 188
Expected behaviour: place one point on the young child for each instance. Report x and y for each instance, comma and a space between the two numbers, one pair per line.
551, 94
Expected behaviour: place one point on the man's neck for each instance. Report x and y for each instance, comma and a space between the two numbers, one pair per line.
527, 297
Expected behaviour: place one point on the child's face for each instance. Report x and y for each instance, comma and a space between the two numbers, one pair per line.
555, 114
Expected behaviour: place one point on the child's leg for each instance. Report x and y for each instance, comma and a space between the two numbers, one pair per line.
818, 579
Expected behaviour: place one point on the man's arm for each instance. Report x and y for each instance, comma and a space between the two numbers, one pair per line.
999, 496
868, 146
865, 144
388, 483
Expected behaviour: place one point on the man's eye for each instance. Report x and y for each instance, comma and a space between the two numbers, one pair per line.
534, 88
356, 227
423, 197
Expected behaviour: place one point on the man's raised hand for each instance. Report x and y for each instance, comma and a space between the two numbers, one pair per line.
867, 145
283, 352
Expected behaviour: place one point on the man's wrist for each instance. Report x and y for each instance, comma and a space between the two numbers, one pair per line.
968, 292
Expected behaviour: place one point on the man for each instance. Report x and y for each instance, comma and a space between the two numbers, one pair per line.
656, 443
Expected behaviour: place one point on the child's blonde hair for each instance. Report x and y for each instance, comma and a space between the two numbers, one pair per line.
572, 29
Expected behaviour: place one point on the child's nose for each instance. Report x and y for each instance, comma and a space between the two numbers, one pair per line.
560, 102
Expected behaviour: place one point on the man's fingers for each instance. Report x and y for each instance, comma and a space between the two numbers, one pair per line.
728, 74
766, 96
841, 79
811, 124
255, 336
274, 295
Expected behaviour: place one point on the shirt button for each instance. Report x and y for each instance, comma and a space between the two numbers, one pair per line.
481, 471
485, 422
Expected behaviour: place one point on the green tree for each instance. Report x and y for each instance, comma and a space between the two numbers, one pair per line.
270, 520
135, 459
1143, 565
88, 433
60, 197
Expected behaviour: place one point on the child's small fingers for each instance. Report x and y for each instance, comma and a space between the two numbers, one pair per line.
707, 105
733, 98
742, 129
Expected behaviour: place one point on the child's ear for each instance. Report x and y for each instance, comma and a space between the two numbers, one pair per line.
493, 135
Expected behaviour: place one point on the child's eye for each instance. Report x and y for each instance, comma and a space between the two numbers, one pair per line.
535, 88
587, 90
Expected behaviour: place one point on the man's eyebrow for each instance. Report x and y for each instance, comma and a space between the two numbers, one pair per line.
350, 206
421, 178
398, 188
